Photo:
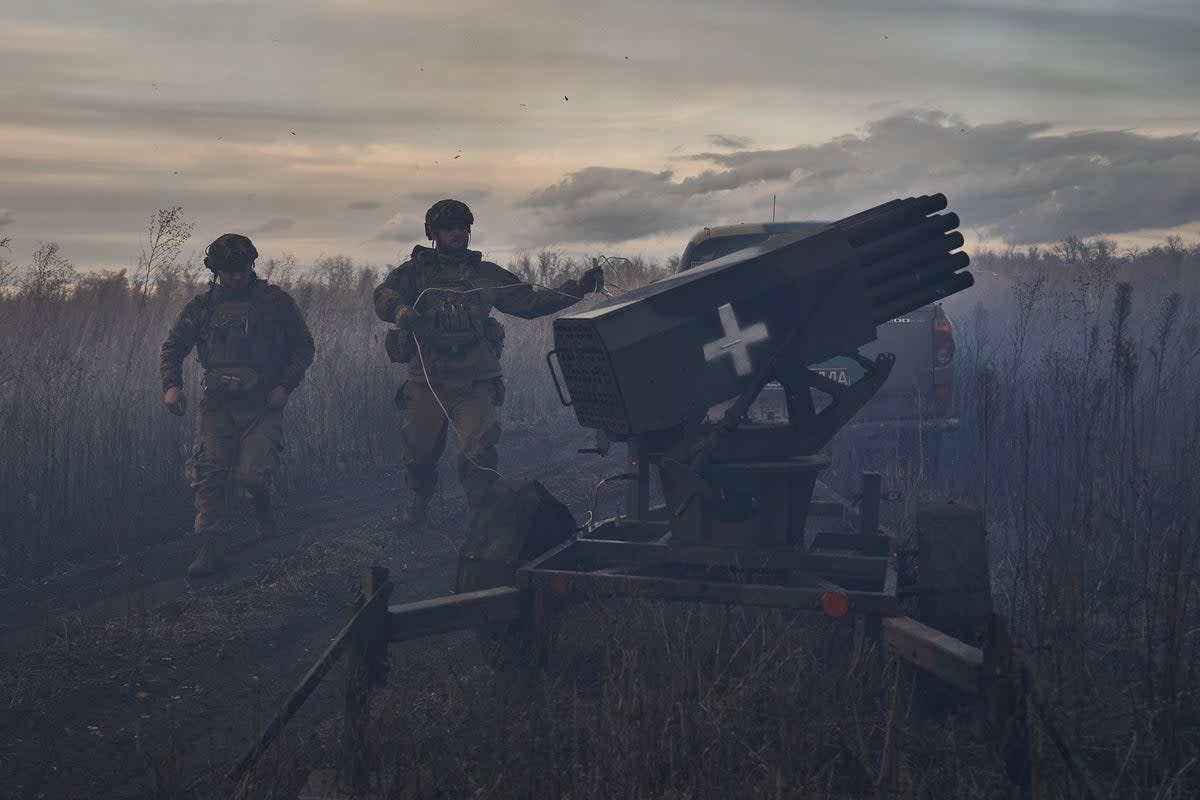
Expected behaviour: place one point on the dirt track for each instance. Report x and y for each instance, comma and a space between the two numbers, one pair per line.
126, 680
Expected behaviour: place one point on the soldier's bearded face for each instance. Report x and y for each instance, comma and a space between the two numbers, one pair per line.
454, 237
235, 281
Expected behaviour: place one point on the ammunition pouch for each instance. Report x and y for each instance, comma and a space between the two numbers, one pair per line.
400, 345
231, 381
451, 345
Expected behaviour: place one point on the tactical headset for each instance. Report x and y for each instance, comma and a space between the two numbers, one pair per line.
444, 213
230, 252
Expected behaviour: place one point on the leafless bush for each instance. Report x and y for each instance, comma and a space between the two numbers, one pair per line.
166, 234
49, 274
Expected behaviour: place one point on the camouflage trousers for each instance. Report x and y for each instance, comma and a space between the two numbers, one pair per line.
472, 408
238, 441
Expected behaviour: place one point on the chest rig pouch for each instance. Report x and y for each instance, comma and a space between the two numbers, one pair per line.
454, 321
242, 343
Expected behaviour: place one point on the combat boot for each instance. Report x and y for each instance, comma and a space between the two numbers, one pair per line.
264, 518
208, 560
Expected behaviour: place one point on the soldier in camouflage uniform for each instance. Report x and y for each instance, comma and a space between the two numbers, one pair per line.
441, 301
255, 348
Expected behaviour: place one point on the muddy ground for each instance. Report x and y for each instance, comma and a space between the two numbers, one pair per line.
124, 679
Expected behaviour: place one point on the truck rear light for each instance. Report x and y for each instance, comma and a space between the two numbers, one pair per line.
943, 340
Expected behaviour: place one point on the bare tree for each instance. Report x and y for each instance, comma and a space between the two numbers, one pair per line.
279, 270
49, 274
8, 273
522, 266
167, 232
336, 272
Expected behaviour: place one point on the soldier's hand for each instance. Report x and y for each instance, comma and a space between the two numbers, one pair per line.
407, 316
277, 398
592, 280
174, 400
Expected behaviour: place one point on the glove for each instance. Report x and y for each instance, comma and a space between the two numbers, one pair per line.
407, 316
592, 280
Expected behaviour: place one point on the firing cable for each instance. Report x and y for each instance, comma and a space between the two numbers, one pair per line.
420, 355
446, 413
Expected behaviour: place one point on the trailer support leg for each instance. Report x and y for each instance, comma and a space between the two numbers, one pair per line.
366, 668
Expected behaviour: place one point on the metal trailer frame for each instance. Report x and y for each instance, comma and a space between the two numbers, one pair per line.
850, 573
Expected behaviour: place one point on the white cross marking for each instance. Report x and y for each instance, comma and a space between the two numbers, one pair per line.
736, 342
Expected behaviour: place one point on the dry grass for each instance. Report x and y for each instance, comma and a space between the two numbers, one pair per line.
93, 465
1077, 388
665, 701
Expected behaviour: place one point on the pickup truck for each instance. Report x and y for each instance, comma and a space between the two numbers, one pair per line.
915, 406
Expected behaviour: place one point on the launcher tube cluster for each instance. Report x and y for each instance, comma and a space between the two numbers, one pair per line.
662, 355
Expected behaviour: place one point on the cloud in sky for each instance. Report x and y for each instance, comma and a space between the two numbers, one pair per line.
273, 225
606, 204
729, 142
472, 197
404, 227
1016, 181
251, 113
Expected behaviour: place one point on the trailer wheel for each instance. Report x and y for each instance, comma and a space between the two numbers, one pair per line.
516, 522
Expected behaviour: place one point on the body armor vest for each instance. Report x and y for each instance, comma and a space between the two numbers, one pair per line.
243, 346
456, 340
453, 314
456, 319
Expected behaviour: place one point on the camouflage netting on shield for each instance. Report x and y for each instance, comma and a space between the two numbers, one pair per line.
518, 520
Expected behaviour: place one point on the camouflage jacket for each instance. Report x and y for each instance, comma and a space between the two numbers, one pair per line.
260, 329
454, 334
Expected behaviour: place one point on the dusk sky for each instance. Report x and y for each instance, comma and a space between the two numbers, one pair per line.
321, 127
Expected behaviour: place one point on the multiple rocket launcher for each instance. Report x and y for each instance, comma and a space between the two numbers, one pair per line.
663, 355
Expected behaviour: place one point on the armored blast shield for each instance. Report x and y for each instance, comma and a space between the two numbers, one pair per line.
664, 354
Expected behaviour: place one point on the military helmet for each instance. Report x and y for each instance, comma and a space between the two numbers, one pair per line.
230, 252
444, 213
